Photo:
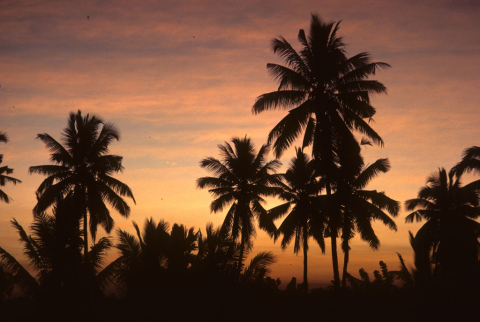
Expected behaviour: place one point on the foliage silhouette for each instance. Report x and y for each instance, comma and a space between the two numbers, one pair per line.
4, 171
256, 271
217, 255
141, 267
153, 260
157, 262
242, 179
83, 168
360, 207
449, 238
304, 218
383, 279
54, 251
328, 97
6, 282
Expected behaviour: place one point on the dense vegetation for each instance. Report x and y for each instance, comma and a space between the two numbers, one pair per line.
203, 273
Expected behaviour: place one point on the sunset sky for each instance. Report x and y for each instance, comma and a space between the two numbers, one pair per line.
178, 78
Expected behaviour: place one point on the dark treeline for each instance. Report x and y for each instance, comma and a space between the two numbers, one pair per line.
168, 272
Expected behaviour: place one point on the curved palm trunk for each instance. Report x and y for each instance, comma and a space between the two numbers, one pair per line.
305, 251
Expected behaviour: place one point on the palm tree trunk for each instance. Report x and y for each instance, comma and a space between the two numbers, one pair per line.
85, 241
333, 237
345, 264
242, 246
345, 246
305, 251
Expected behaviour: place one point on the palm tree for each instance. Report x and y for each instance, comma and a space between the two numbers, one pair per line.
54, 250
83, 167
153, 259
141, 267
360, 207
327, 95
241, 180
302, 205
258, 268
215, 250
5, 170
448, 239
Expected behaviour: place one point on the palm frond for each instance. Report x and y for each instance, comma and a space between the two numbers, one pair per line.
119, 187
259, 265
287, 78
59, 155
280, 99
283, 48
28, 283
288, 129
371, 171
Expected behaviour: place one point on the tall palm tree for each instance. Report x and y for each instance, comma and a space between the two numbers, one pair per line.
448, 239
5, 170
304, 218
327, 95
242, 179
360, 207
83, 167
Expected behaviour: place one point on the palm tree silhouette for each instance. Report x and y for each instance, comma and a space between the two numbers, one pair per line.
153, 259
304, 218
327, 95
360, 207
215, 251
241, 180
5, 170
141, 267
83, 167
54, 250
448, 239
256, 271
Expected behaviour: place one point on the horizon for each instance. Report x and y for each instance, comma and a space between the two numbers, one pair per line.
178, 79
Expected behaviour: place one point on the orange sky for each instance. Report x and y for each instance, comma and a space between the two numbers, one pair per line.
179, 77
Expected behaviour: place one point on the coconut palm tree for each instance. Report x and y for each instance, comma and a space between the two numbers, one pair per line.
448, 239
304, 218
141, 267
215, 251
327, 95
153, 259
54, 250
242, 179
5, 170
360, 207
83, 168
